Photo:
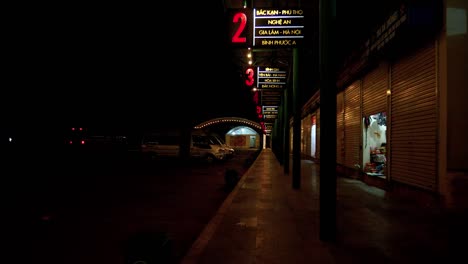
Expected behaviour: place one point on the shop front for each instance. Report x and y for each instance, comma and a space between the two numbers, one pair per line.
375, 90
374, 154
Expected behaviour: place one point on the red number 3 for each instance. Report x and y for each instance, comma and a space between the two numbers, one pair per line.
250, 77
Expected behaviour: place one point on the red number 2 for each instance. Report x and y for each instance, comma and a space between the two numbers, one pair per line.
242, 23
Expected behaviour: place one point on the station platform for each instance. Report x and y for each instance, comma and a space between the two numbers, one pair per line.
265, 220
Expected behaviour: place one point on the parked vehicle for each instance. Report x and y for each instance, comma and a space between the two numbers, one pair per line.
167, 144
227, 149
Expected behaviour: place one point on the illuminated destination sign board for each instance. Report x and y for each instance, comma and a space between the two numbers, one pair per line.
271, 97
278, 27
266, 127
270, 112
271, 78
270, 82
266, 27
265, 78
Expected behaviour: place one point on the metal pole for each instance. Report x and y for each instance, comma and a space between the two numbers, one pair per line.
327, 11
277, 140
286, 131
296, 177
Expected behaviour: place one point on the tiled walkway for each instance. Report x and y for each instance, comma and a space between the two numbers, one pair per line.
265, 220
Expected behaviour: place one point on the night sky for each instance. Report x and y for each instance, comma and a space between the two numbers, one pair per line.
128, 65
118, 64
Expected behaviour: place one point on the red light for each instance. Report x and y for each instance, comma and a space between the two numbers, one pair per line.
70, 142
81, 129
82, 142
73, 129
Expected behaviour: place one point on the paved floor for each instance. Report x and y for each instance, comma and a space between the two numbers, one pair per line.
107, 210
265, 220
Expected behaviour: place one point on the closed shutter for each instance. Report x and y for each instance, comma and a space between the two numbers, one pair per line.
414, 120
352, 124
374, 91
340, 128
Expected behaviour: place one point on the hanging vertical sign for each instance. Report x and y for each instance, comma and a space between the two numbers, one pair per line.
265, 27
270, 112
239, 24
271, 78
278, 27
268, 127
262, 125
271, 97
258, 107
250, 77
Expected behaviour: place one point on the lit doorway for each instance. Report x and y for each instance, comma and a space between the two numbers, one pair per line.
375, 141
313, 138
252, 141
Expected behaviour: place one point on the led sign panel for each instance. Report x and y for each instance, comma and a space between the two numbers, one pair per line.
270, 112
271, 78
278, 27
271, 97
270, 28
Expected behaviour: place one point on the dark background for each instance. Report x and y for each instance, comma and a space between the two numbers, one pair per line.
135, 65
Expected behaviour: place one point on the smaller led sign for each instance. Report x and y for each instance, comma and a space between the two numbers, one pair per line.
271, 78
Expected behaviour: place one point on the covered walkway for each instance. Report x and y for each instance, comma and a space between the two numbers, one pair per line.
265, 220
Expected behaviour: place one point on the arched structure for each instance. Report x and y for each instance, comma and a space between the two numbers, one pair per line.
236, 132
230, 120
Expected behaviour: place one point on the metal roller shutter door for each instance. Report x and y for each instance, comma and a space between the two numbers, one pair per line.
352, 124
414, 120
374, 91
340, 128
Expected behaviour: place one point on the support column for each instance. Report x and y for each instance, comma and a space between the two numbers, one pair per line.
286, 147
327, 67
296, 177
